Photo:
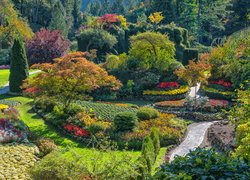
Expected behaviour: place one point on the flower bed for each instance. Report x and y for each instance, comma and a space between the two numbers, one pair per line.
9, 103
85, 124
161, 95
168, 85
217, 94
5, 67
171, 131
16, 160
106, 111
11, 128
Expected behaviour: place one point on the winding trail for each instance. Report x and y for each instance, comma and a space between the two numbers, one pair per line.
194, 138
6, 88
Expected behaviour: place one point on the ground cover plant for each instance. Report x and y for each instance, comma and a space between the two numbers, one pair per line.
202, 163
17, 160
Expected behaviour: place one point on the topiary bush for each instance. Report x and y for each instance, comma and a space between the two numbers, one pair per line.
147, 113
19, 69
125, 121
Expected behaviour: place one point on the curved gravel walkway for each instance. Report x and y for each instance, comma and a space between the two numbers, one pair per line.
194, 138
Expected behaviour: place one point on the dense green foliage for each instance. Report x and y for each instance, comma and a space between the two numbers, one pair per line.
151, 50
125, 121
203, 163
97, 39
19, 66
147, 113
240, 116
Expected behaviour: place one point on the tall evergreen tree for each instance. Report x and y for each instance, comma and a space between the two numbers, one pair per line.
58, 21
77, 13
94, 8
118, 7
167, 7
240, 16
105, 7
18, 67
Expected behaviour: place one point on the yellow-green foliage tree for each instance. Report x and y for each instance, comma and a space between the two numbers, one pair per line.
152, 50
69, 78
12, 25
240, 116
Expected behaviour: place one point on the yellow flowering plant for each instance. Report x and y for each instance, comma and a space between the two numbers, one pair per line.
180, 90
3, 106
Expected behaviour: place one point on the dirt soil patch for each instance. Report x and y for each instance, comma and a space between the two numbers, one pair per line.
221, 135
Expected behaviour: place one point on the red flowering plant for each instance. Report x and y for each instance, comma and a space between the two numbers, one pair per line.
168, 85
76, 130
218, 103
223, 83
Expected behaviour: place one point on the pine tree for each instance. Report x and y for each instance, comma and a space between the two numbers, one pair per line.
105, 7
94, 8
167, 7
58, 21
18, 67
118, 7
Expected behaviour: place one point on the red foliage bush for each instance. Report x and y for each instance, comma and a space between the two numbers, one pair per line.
46, 46
108, 18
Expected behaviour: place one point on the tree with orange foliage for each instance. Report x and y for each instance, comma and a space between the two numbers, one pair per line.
195, 72
69, 78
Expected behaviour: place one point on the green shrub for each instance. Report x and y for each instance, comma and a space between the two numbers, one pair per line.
155, 136
204, 164
147, 113
4, 56
45, 103
125, 121
95, 128
45, 146
190, 54
148, 152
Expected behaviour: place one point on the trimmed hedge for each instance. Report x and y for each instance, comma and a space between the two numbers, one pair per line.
147, 113
125, 121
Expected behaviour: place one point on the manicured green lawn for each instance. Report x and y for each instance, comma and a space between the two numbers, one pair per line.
4, 77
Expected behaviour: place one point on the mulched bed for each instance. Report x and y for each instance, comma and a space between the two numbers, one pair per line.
221, 135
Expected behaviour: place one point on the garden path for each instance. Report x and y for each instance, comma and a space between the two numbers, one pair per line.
195, 136
5, 88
